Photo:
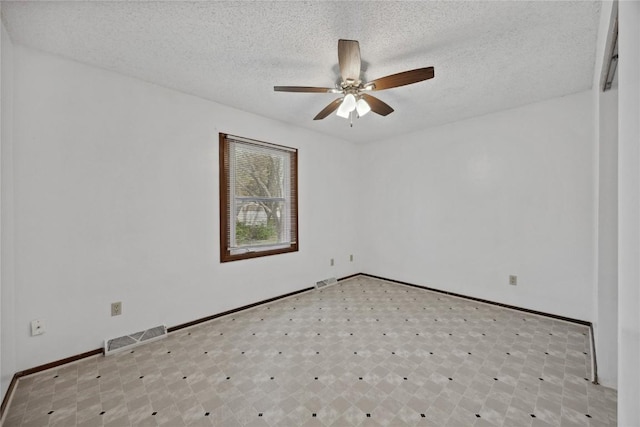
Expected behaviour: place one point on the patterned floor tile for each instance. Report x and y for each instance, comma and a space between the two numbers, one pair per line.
363, 352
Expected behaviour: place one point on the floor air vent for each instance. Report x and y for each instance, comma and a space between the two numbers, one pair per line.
326, 282
125, 342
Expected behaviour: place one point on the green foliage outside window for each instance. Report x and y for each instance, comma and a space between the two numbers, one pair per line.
250, 234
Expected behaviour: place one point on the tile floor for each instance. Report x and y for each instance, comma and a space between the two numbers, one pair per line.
362, 352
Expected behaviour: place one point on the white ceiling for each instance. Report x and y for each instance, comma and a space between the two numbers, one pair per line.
488, 56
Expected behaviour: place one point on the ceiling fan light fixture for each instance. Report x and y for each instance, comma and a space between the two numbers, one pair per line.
352, 89
362, 107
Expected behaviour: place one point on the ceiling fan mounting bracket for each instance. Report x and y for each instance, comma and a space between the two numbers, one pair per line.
350, 83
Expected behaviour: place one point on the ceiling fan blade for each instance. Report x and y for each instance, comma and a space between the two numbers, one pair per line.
377, 106
401, 79
328, 109
303, 89
349, 59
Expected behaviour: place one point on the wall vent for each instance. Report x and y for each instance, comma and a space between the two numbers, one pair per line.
326, 282
125, 342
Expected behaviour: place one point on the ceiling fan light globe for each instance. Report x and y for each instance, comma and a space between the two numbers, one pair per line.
362, 107
347, 106
343, 113
349, 102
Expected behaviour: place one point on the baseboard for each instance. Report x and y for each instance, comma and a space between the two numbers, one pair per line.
485, 301
7, 397
349, 277
594, 359
60, 362
235, 310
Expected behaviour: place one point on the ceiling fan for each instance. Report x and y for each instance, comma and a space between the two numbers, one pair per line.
354, 92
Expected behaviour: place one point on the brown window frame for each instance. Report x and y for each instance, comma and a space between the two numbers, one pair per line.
225, 202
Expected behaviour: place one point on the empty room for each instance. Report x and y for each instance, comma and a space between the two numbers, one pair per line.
315, 213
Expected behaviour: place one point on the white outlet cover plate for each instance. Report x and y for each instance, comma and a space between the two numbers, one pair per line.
37, 327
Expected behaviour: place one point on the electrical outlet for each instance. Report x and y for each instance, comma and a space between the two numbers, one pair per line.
116, 308
351, 258
331, 263
513, 280
37, 327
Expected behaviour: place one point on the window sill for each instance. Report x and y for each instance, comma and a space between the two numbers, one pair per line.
228, 257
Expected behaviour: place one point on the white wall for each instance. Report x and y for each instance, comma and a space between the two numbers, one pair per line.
605, 322
116, 199
7, 288
462, 206
629, 215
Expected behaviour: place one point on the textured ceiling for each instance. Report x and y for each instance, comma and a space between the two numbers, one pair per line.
488, 56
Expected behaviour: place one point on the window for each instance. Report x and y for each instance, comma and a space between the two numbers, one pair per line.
258, 199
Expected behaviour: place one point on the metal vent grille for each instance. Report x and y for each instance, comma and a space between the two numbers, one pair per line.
115, 345
326, 282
